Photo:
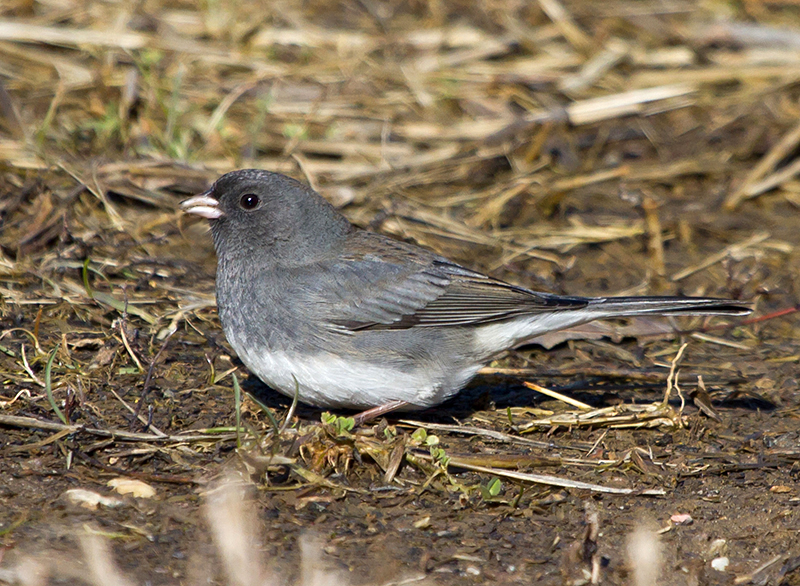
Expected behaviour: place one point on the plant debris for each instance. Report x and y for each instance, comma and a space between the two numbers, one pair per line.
597, 148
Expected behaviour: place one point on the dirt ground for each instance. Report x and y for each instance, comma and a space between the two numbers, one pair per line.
580, 148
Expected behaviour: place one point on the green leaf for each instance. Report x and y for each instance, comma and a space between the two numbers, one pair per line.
344, 424
440, 456
495, 486
419, 436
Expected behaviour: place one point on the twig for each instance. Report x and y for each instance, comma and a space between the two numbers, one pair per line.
149, 376
118, 434
721, 341
773, 315
292, 407
148, 424
121, 323
48, 388
562, 19
721, 255
28, 368
495, 435
767, 162
774, 180
655, 241
558, 396
671, 379
166, 478
546, 479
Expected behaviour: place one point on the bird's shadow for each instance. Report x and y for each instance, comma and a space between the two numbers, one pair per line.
497, 391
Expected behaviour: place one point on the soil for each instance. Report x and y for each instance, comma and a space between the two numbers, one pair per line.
111, 281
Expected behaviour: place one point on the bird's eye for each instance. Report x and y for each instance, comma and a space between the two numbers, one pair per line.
249, 201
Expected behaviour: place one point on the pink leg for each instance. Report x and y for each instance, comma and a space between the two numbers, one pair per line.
376, 412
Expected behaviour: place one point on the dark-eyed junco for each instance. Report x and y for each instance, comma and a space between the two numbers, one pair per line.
351, 318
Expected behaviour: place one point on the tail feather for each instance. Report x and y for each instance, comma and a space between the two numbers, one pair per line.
628, 306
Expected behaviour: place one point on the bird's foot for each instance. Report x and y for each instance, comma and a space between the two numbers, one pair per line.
375, 412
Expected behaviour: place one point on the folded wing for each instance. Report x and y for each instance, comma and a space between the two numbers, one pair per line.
405, 287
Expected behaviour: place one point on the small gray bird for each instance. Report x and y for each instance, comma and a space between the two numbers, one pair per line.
356, 319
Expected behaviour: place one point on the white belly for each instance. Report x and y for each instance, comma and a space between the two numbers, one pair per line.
329, 380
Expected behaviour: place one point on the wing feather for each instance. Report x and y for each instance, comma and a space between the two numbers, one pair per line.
399, 286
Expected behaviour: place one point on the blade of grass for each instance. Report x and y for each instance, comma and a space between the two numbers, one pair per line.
295, 399
237, 398
48, 387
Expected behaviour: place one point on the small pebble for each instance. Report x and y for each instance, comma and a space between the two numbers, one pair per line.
720, 564
422, 523
717, 547
682, 519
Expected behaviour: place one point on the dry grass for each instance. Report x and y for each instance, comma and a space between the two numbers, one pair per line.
578, 147
464, 130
